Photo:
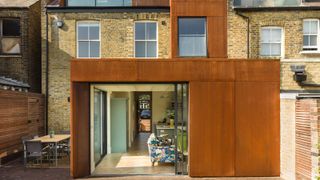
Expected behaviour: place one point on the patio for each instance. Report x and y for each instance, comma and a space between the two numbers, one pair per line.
15, 170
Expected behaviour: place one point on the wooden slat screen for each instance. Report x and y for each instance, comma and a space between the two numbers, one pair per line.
21, 114
303, 138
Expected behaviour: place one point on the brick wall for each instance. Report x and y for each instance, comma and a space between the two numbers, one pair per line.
117, 41
25, 67
16, 66
292, 24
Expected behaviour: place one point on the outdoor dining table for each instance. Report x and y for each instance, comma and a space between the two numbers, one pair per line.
53, 140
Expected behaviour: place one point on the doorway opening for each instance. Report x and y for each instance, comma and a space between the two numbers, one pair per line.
139, 129
144, 111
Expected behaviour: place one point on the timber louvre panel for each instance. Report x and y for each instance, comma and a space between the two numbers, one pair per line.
303, 139
21, 114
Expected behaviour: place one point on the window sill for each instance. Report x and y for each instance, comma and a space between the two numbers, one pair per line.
310, 52
10, 55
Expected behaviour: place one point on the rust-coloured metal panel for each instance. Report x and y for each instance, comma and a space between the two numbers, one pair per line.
257, 126
217, 37
234, 110
212, 8
80, 130
263, 70
151, 70
215, 11
211, 129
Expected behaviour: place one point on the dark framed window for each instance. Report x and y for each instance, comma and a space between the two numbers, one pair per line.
10, 36
192, 37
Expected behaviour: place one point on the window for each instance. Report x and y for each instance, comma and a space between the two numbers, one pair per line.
146, 40
271, 41
103, 3
192, 37
10, 36
310, 34
88, 37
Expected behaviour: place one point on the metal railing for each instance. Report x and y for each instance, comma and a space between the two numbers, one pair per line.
115, 3
267, 3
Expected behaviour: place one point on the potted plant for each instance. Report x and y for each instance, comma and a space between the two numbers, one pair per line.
171, 115
51, 133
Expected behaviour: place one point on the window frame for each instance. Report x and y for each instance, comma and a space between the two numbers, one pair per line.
95, 4
311, 48
1, 35
206, 36
282, 41
157, 40
77, 39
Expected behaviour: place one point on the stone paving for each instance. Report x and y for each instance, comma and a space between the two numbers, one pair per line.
16, 171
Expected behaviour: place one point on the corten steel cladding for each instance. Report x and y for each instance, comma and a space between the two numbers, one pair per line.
234, 110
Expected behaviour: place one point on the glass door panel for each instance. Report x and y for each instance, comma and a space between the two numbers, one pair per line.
100, 126
97, 126
181, 128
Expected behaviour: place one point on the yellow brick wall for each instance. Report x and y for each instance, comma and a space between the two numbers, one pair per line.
117, 41
292, 24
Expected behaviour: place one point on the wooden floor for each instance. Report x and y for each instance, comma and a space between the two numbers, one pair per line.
135, 161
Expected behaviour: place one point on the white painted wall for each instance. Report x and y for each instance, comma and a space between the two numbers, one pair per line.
161, 101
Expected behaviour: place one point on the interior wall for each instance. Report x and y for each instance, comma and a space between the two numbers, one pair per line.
161, 101
131, 113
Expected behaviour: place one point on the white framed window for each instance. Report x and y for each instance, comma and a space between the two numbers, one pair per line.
146, 39
88, 40
192, 37
271, 41
310, 34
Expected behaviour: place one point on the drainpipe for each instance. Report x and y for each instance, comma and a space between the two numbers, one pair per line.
47, 72
248, 32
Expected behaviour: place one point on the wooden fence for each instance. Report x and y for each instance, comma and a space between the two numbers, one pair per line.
21, 114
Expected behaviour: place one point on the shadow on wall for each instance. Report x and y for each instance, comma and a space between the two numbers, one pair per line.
58, 78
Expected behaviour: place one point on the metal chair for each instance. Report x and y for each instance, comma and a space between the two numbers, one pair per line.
64, 132
35, 151
24, 139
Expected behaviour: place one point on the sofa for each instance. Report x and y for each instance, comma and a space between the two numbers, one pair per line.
159, 152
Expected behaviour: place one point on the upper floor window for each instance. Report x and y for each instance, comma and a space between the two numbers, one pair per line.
310, 34
146, 39
271, 41
88, 39
103, 3
10, 36
192, 37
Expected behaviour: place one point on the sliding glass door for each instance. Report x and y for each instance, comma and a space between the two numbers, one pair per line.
181, 128
100, 126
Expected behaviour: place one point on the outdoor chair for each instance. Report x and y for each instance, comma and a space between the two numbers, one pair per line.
24, 139
64, 132
35, 152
